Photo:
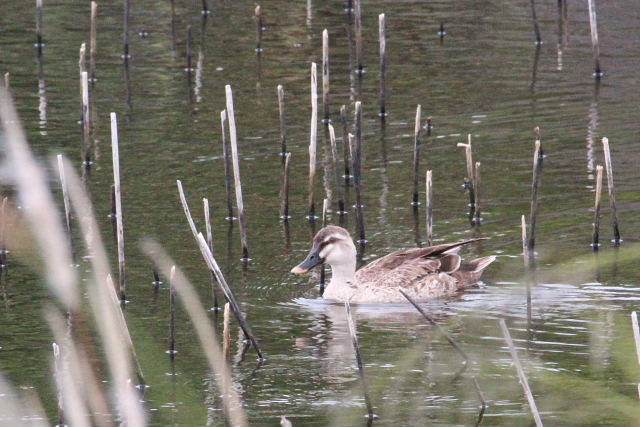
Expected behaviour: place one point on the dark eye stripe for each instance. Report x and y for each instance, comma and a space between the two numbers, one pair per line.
328, 242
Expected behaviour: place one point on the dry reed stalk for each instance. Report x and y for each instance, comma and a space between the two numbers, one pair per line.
476, 178
383, 64
345, 143
636, 338
521, 375
336, 170
207, 225
595, 237
612, 191
125, 33
525, 247
429, 207
325, 75
67, 205
226, 331
283, 133
119, 215
536, 27
213, 266
172, 313
227, 165
357, 170
39, 27
313, 141
93, 41
593, 24
284, 211
185, 207
469, 183
356, 349
236, 173
205, 332
82, 59
86, 119
535, 186
358, 25
416, 155
39, 208
259, 26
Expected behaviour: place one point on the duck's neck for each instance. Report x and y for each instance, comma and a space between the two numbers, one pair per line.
342, 279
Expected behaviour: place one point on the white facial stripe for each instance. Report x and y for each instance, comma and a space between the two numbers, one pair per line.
333, 236
325, 251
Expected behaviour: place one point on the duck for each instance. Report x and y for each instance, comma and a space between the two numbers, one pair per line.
424, 274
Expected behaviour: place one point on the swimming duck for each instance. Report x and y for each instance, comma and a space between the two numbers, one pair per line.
423, 273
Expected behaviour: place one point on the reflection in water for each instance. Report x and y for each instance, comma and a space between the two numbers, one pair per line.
42, 98
127, 87
562, 31
592, 129
200, 61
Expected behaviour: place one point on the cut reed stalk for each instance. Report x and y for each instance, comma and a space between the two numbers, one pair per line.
325, 208
429, 208
469, 182
283, 133
39, 27
325, 75
612, 191
58, 374
358, 25
521, 375
525, 247
595, 236
259, 26
236, 174
86, 120
67, 207
125, 33
345, 143
313, 140
477, 218
233, 409
383, 64
534, 17
357, 171
227, 165
336, 170
172, 314
356, 349
435, 324
416, 155
93, 42
209, 232
213, 266
535, 186
593, 23
636, 336
119, 216
82, 60
284, 210
226, 331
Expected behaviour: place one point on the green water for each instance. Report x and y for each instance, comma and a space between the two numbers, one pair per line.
485, 78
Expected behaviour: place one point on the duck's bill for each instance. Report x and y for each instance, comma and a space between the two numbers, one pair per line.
311, 261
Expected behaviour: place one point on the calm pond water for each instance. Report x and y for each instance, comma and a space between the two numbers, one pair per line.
485, 77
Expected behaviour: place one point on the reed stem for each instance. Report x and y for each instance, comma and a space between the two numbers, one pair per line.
383, 64
325, 208
205, 8
284, 212
209, 232
534, 17
67, 208
357, 170
172, 314
477, 217
313, 140
345, 143
325, 75
416, 155
236, 174
86, 120
593, 24
521, 375
259, 26
358, 25
39, 27
227, 165
336, 170
612, 191
3, 230
283, 134
535, 186
226, 331
119, 215
125, 34
93, 42
525, 247
595, 239
636, 336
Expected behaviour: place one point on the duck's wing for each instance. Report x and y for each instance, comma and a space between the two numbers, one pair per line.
403, 267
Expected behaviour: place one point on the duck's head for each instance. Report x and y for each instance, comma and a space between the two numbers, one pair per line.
332, 245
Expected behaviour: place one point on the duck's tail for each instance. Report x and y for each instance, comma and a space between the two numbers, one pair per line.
470, 271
